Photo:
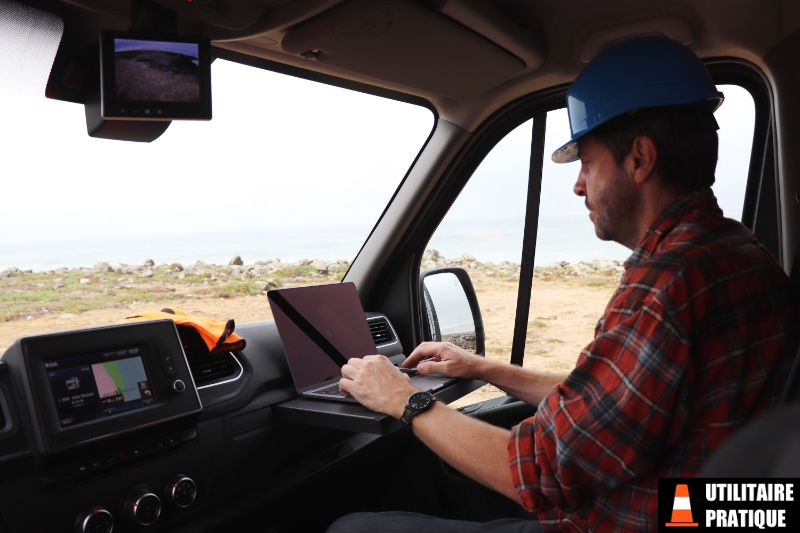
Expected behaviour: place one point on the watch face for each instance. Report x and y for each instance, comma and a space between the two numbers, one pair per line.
419, 400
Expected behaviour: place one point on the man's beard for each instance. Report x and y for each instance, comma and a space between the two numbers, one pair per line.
615, 211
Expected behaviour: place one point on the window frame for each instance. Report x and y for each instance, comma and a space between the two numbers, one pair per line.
761, 211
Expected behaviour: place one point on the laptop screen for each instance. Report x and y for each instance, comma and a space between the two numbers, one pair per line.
320, 326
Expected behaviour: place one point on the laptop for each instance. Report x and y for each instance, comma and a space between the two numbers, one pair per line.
321, 327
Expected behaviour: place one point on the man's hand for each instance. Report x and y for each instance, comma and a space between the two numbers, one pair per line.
445, 358
377, 384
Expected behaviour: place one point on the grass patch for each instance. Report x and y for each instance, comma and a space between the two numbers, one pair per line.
236, 288
32, 294
44, 296
296, 272
597, 281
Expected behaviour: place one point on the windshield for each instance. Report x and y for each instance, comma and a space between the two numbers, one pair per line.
288, 171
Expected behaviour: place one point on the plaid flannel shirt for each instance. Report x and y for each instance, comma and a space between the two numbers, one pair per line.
697, 339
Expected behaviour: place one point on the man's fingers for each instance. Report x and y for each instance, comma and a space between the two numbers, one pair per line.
432, 367
348, 370
426, 350
345, 384
415, 356
412, 360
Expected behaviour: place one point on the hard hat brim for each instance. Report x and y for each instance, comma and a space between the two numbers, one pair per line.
567, 153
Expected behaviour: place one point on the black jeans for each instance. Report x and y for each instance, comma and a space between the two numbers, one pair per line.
428, 495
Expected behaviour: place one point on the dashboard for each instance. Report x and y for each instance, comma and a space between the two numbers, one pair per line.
121, 428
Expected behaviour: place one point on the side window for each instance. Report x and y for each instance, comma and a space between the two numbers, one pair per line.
736, 119
575, 273
482, 233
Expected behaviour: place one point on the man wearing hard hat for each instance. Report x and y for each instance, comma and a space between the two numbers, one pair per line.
697, 339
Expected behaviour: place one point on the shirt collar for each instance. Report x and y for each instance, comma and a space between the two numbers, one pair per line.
701, 199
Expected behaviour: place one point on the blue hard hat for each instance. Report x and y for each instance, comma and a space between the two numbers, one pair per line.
634, 74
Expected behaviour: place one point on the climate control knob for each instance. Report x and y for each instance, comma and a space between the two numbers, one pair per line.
141, 506
181, 491
95, 519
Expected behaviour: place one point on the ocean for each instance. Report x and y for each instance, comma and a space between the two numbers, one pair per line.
495, 241
570, 239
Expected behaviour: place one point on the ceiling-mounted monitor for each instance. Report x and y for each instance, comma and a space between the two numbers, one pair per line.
154, 77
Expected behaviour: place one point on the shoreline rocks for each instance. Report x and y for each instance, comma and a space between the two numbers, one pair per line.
431, 259
270, 269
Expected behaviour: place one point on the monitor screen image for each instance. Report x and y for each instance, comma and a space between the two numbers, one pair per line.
156, 71
98, 385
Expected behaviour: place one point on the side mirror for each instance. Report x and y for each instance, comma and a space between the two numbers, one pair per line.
451, 309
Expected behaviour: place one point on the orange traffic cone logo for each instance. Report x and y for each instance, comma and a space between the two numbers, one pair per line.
682, 508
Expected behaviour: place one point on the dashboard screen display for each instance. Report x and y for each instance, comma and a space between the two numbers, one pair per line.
98, 385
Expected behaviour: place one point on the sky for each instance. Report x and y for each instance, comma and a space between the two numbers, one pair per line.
279, 153
188, 49
273, 139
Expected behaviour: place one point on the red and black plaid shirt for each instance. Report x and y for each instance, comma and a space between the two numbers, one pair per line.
697, 339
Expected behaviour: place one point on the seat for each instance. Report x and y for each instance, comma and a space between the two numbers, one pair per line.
766, 448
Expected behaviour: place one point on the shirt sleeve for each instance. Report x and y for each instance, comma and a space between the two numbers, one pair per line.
609, 420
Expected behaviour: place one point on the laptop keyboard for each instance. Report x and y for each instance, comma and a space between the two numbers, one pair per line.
330, 390
333, 388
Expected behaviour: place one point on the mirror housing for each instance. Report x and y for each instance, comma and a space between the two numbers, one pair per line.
451, 309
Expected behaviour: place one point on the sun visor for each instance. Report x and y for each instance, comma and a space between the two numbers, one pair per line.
404, 43
29, 40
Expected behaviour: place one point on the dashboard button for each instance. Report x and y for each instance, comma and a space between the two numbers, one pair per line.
95, 519
169, 365
142, 507
181, 491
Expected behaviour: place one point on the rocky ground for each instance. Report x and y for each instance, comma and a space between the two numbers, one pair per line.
567, 299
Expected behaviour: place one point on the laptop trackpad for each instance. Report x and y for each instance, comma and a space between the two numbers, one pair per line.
430, 381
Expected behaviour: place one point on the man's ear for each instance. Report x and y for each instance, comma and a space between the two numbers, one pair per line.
641, 159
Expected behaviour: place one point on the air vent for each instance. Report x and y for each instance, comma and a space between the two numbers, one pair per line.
212, 368
207, 368
381, 332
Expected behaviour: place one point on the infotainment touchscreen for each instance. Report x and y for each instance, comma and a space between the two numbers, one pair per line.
98, 385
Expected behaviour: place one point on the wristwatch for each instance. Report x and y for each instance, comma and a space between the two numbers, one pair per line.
417, 403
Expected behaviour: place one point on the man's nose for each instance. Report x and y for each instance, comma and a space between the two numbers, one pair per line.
580, 185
